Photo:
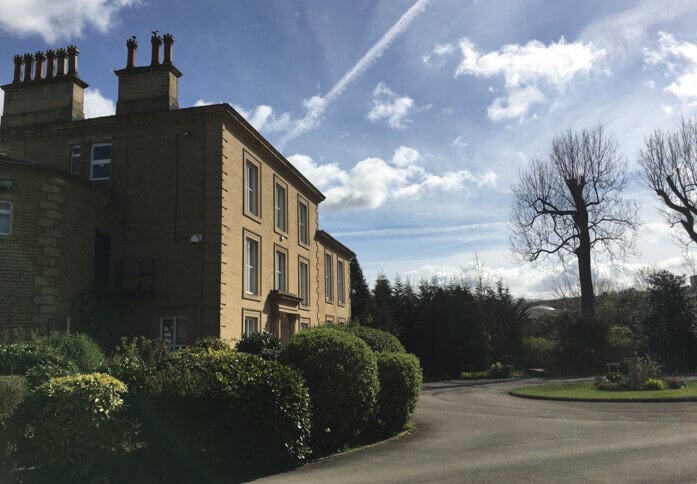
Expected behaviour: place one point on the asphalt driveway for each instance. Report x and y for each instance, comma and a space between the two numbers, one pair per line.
471, 433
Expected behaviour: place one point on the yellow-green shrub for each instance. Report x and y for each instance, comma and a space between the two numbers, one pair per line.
400, 386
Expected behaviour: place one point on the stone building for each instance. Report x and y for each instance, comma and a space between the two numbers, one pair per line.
157, 221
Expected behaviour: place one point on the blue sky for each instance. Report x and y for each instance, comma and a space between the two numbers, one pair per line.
413, 117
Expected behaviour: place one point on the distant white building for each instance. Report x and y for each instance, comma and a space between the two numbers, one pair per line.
539, 312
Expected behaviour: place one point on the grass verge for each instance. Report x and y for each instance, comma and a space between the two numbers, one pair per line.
585, 392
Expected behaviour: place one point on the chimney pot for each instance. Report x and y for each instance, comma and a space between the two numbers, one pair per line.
73, 52
28, 63
168, 40
61, 54
156, 41
39, 71
19, 61
132, 45
50, 63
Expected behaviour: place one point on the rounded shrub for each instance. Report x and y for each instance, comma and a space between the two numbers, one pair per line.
233, 413
68, 428
400, 386
211, 343
377, 339
264, 344
674, 382
654, 384
340, 372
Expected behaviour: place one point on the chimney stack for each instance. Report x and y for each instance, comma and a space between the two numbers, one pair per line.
19, 61
28, 64
132, 45
36, 97
60, 71
50, 63
73, 52
156, 42
168, 40
154, 87
39, 71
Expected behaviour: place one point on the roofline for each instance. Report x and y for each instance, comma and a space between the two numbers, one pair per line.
222, 108
330, 241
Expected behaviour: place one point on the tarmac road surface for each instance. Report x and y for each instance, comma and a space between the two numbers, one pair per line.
474, 432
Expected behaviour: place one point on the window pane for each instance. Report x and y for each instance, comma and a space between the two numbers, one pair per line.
250, 325
303, 274
251, 266
340, 281
252, 188
5, 207
168, 331
281, 207
5, 223
281, 271
302, 223
102, 152
181, 330
75, 159
101, 171
328, 276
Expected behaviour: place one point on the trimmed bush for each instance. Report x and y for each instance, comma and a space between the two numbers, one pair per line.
135, 359
400, 386
474, 375
673, 382
68, 428
13, 390
377, 339
540, 352
266, 345
654, 384
232, 413
341, 375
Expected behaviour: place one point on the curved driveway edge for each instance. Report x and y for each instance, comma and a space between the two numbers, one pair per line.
476, 431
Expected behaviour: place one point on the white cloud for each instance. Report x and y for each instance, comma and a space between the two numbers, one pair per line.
649, 84
526, 69
667, 109
373, 181
680, 60
318, 104
389, 106
262, 117
59, 19
460, 141
97, 105
438, 56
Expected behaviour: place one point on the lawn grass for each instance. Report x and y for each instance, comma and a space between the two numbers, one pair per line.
586, 392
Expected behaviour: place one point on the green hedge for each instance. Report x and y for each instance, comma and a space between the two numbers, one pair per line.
69, 427
232, 413
400, 386
377, 339
266, 345
340, 372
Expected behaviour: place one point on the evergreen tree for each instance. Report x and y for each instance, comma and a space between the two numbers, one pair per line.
361, 299
382, 305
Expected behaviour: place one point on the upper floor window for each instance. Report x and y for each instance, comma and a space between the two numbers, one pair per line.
251, 266
328, 278
303, 232
251, 186
281, 208
173, 330
100, 162
304, 282
340, 281
75, 159
281, 270
5, 218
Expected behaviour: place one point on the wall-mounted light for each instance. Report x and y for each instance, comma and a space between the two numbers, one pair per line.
197, 238
6, 183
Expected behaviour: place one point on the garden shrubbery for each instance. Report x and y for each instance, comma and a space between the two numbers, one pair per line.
266, 345
400, 385
377, 339
69, 427
13, 391
135, 359
228, 410
340, 372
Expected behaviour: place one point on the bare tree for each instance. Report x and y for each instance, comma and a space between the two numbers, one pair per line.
669, 160
570, 204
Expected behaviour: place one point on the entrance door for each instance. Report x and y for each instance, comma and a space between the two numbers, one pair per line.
287, 326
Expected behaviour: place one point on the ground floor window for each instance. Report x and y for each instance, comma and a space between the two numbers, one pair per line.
304, 324
329, 319
173, 330
251, 325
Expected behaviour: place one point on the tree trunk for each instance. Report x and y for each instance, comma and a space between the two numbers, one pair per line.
583, 251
